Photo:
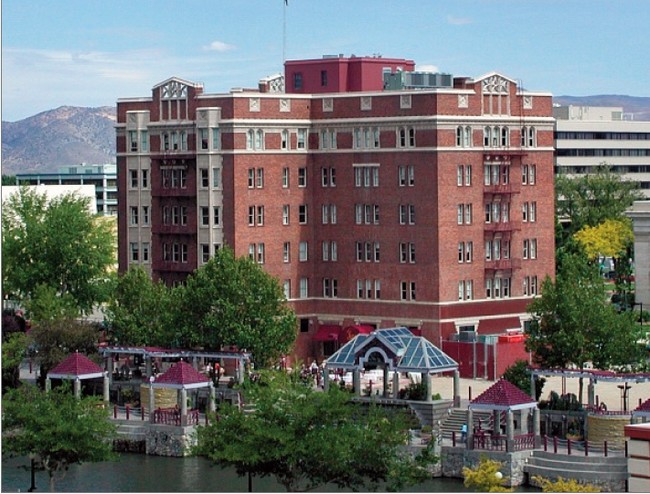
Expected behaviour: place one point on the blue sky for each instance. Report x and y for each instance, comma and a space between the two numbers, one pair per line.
91, 52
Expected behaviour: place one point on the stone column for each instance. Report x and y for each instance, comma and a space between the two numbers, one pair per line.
396, 384
77, 388
510, 431
109, 367
152, 404
591, 393
48, 385
356, 381
183, 406
537, 427
470, 429
456, 388
326, 379
107, 388
147, 365
211, 400
428, 384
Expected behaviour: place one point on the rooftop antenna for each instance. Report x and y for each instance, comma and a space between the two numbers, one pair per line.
284, 31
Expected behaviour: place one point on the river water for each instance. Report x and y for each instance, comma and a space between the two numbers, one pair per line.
142, 473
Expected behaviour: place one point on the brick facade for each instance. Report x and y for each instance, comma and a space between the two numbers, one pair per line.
386, 183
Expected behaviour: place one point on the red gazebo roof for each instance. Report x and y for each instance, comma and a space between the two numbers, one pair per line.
181, 375
76, 365
503, 395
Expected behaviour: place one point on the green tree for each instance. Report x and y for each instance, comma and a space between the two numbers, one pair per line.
520, 375
55, 339
573, 324
55, 428
486, 477
233, 301
46, 304
590, 199
58, 243
9, 180
307, 438
140, 311
14, 348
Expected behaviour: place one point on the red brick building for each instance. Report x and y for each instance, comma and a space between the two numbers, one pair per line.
378, 196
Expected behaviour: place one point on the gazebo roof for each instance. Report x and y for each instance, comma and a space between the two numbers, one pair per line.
401, 349
76, 365
502, 395
181, 376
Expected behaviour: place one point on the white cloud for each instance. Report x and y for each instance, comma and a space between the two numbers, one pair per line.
219, 46
427, 68
458, 21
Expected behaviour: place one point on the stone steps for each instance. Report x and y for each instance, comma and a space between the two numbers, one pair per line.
597, 470
457, 417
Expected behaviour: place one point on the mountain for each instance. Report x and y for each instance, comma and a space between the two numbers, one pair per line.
638, 107
65, 136
70, 135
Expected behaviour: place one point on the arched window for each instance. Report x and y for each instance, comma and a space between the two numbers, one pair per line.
532, 137
250, 139
459, 136
259, 139
505, 134
524, 135
487, 133
467, 141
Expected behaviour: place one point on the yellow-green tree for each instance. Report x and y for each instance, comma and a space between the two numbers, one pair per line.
611, 238
562, 485
486, 477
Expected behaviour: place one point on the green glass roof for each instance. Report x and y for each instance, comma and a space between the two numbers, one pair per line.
413, 353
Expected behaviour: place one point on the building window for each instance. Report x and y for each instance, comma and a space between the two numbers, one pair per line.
285, 177
216, 138
407, 252
260, 215
203, 138
284, 139
328, 177
260, 253
205, 216
286, 285
145, 179
323, 78
329, 214
297, 80
302, 139
205, 252
285, 214
134, 215
144, 141
145, 215
216, 177
302, 177
407, 290
406, 137
303, 252
286, 252
216, 213
366, 176
145, 252
304, 288
406, 175
464, 214
205, 179
463, 136
302, 214
135, 251
134, 178
330, 287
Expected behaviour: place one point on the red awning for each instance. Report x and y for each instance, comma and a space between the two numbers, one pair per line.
490, 326
351, 331
327, 332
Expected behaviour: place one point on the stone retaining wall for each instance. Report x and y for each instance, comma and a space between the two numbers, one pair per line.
167, 440
455, 458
